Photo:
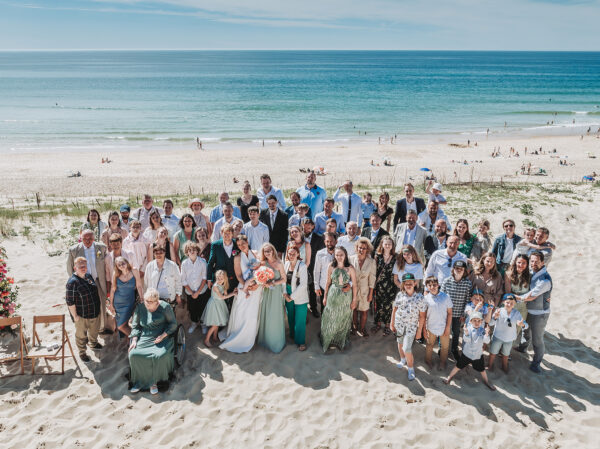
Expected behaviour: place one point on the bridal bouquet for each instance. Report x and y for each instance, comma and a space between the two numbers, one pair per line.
263, 275
8, 292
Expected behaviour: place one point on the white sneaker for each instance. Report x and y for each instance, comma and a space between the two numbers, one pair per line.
411, 374
192, 328
153, 389
135, 389
401, 364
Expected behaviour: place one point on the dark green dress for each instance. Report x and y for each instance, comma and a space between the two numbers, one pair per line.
150, 362
337, 315
385, 290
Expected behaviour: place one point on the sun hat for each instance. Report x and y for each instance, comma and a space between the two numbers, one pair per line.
195, 200
408, 277
437, 186
476, 291
124, 208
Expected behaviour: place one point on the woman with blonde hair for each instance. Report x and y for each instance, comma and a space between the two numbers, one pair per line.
122, 295
271, 330
162, 241
297, 238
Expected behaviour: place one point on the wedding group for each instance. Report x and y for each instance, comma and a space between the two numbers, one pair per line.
253, 271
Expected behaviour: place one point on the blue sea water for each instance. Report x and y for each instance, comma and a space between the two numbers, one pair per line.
119, 100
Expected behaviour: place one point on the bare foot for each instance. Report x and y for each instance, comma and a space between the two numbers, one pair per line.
490, 386
429, 364
442, 367
207, 344
447, 381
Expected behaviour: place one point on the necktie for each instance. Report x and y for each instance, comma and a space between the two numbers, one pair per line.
349, 207
272, 220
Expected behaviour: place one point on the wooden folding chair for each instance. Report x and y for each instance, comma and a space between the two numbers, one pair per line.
11, 322
38, 351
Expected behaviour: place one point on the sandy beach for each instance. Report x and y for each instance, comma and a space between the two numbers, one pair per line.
357, 398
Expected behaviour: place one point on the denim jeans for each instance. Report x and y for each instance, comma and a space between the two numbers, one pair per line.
537, 327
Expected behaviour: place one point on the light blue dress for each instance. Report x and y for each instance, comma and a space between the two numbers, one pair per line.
216, 312
124, 300
271, 330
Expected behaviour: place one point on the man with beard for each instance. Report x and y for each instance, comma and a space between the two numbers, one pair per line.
410, 233
323, 259
436, 241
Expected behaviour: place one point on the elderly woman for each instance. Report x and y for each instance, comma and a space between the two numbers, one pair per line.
365, 269
164, 276
150, 351
94, 223
114, 227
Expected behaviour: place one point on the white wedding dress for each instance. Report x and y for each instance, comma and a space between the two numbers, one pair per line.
242, 328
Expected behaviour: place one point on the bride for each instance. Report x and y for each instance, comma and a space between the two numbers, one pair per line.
243, 321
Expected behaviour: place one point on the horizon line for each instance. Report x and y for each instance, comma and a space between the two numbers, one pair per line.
283, 49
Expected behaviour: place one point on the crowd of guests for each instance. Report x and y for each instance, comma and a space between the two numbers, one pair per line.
422, 277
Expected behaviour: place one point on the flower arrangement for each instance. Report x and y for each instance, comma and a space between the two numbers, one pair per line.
263, 275
8, 292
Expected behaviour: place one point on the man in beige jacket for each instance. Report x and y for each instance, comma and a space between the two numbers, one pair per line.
94, 253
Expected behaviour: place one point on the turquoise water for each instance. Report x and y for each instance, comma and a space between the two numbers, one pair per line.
60, 101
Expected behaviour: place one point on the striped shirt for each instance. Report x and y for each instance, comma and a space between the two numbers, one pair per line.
459, 293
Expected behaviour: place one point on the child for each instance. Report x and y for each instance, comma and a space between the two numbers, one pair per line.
477, 305
523, 245
216, 313
435, 193
408, 317
439, 321
368, 207
506, 319
472, 354
297, 217
407, 261
193, 279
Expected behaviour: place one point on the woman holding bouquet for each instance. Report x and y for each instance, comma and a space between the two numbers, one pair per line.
271, 330
340, 300
240, 334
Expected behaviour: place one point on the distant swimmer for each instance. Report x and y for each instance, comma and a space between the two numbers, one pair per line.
198, 143
279, 142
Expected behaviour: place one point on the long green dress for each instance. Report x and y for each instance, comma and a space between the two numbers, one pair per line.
337, 315
271, 330
150, 362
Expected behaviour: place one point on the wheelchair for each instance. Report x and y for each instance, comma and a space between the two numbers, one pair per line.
178, 340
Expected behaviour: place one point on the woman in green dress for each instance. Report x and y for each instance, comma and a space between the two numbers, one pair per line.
271, 328
185, 234
150, 351
339, 301
467, 240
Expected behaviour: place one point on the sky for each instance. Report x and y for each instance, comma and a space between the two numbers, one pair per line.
294, 24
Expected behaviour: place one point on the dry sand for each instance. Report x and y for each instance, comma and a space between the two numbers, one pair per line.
357, 398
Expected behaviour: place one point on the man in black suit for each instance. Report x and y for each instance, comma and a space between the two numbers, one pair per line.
437, 241
374, 232
277, 222
410, 202
316, 244
222, 253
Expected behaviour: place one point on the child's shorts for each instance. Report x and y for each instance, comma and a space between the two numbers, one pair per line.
464, 361
406, 340
498, 345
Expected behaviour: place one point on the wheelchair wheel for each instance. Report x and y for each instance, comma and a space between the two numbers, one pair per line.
179, 347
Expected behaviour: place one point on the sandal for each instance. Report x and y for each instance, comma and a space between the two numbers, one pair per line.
375, 329
387, 331
302, 348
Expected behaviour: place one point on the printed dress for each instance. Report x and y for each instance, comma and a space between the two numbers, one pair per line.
337, 315
385, 290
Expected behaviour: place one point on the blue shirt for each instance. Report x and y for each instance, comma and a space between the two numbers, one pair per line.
321, 222
473, 340
314, 198
367, 210
217, 213
503, 331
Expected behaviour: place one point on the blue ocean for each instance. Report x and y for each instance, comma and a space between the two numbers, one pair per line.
122, 100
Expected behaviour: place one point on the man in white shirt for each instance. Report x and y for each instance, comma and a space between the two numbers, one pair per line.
410, 233
322, 260
217, 211
256, 231
226, 218
428, 217
169, 219
266, 190
441, 262
351, 203
348, 241
143, 213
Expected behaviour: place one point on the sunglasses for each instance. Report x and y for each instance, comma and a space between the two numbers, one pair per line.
509, 322
450, 262
509, 226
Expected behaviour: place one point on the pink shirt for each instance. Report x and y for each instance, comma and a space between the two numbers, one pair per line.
139, 249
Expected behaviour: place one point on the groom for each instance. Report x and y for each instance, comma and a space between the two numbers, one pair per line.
222, 253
